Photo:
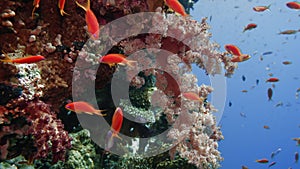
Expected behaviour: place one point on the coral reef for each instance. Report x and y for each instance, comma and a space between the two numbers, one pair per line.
32, 95
36, 126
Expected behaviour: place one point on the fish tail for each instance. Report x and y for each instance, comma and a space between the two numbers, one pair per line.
62, 12
84, 7
99, 112
131, 63
33, 11
6, 59
109, 140
116, 135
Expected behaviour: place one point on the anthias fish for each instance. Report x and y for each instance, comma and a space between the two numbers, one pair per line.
36, 4
24, 60
240, 58
250, 26
91, 20
288, 32
261, 8
271, 164
83, 107
176, 6
272, 79
192, 96
244, 167
61, 5
264, 160
112, 59
293, 5
116, 125
286, 62
232, 49
270, 93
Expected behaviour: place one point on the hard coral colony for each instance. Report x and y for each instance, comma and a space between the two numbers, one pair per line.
34, 88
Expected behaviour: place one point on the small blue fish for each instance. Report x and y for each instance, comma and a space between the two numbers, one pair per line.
271, 164
243, 78
267, 53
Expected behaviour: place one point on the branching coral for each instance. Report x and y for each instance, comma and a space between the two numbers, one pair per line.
40, 123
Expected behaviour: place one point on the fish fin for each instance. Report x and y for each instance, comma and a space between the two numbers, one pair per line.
109, 140
116, 135
268, 7
130, 63
85, 6
7, 58
99, 112
62, 12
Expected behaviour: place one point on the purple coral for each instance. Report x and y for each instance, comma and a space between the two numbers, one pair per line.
41, 123
47, 131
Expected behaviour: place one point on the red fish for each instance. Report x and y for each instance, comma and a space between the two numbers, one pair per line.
36, 4
232, 49
91, 20
286, 62
293, 5
176, 6
27, 59
83, 107
261, 8
264, 160
250, 26
272, 79
61, 5
192, 96
116, 125
266, 127
112, 59
240, 58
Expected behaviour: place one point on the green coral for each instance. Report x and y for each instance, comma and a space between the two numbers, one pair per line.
81, 155
161, 161
140, 97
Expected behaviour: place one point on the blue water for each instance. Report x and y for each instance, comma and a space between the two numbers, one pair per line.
245, 138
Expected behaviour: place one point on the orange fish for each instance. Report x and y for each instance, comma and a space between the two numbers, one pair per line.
266, 127
240, 58
176, 6
288, 32
192, 96
91, 20
264, 160
272, 79
286, 62
112, 59
27, 59
116, 125
261, 8
232, 49
293, 5
297, 139
244, 91
36, 4
61, 5
83, 107
250, 26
